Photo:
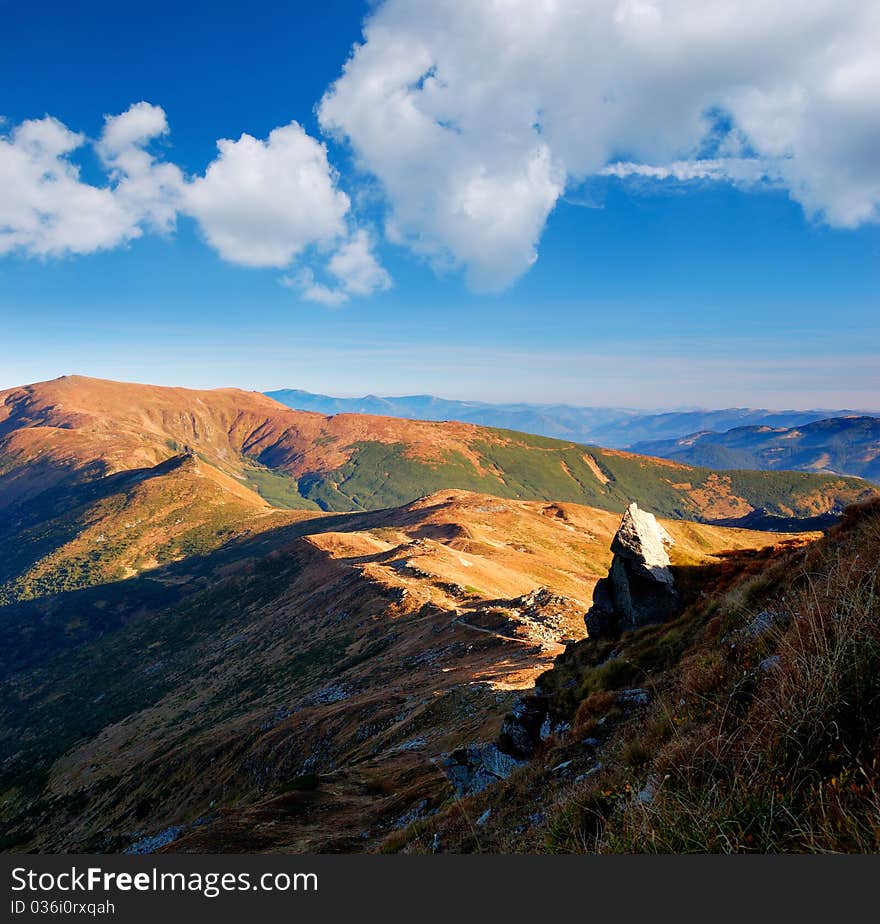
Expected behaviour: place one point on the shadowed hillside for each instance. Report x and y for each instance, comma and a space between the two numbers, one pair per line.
748, 723
226, 625
323, 665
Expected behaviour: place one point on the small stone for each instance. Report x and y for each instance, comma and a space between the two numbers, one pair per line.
761, 622
646, 795
634, 697
546, 728
473, 768
591, 772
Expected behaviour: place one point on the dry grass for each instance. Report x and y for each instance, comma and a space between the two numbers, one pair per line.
776, 737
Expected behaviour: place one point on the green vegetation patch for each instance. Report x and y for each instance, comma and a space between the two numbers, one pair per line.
277, 488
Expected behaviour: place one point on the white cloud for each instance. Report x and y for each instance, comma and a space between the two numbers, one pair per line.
355, 271
140, 123
744, 171
46, 209
261, 203
475, 116
355, 267
143, 186
313, 291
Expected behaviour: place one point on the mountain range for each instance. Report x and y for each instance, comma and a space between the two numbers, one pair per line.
616, 428
61, 440
227, 625
843, 444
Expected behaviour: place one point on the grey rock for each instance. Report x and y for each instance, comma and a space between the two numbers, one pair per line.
761, 623
414, 813
474, 768
154, 843
643, 541
649, 791
329, 695
634, 697
592, 771
523, 728
640, 588
546, 728
414, 744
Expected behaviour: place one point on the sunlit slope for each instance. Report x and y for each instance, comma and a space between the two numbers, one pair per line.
111, 528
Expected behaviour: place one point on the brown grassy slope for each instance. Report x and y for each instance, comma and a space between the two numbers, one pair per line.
762, 733
492, 548
121, 525
106, 525
348, 646
80, 423
76, 429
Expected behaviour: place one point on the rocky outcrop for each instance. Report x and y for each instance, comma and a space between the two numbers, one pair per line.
528, 724
640, 588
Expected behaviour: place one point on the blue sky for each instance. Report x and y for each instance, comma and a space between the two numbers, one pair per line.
646, 290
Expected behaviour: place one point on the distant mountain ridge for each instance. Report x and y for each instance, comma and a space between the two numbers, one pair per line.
843, 445
616, 428
75, 429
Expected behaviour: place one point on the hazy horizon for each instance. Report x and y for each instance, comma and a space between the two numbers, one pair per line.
367, 393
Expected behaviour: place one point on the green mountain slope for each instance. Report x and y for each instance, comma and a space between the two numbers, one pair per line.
76, 431
518, 465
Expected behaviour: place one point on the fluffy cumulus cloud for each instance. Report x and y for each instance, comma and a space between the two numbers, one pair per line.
260, 203
46, 209
149, 190
476, 116
353, 270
